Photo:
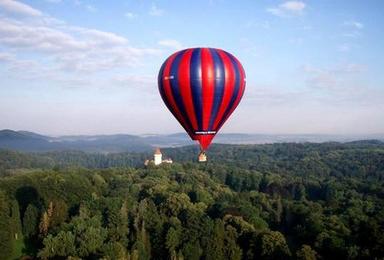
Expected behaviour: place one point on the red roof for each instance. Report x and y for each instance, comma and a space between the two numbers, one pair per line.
157, 151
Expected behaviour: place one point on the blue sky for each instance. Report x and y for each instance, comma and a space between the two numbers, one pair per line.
90, 67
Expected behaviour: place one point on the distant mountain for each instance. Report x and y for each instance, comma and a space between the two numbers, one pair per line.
33, 135
24, 142
172, 140
33, 142
291, 138
7, 134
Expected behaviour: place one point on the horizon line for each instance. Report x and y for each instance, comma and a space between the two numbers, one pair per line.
173, 133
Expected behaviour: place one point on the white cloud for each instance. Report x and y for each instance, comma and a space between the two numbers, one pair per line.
353, 34
144, 83
257, 25
306, 28
251, 48
338, 78
269, 95
155, 11
54, 1
63, 39
130, 15
324, 80
6, 57
275, 11
288, 9
24, 65
350, 68
19, 35
354, 25
88, 7
169, 43
91, 8
19, 8
104, 37
353, 29
65, 48
295, 6
340, 68
296, 40
345, 47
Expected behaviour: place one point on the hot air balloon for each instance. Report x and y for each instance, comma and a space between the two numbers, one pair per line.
201, 87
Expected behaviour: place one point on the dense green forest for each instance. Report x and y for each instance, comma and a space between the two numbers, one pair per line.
277, 201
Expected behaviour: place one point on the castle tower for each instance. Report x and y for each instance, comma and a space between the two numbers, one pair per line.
158, 157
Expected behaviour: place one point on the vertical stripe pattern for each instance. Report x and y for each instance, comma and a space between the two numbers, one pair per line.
201, 87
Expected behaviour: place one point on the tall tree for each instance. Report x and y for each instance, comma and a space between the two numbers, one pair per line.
59, 212
30, 220
215, 248
273, 245
6, 230
44, 224
63, 244
306, 253
231, 248
15, 220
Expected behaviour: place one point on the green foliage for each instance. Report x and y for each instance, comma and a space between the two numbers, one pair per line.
81, 237
215, 248
280, 201
231, 248
15, 220
63, 244
306, 253
30, 221
114, 250
273, 246
6, 230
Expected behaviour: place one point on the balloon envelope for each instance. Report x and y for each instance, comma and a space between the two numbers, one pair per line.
201, 87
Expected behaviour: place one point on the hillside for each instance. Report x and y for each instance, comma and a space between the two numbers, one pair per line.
32, 142
26, 141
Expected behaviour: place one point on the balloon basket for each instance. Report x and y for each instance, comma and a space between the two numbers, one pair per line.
202, 157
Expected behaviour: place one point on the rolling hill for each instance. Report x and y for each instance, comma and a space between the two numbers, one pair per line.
33, 142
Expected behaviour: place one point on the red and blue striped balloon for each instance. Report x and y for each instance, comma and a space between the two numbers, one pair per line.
201, 87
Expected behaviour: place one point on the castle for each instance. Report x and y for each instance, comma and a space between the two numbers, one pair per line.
158, 158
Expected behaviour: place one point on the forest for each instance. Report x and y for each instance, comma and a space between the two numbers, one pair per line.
272, 201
